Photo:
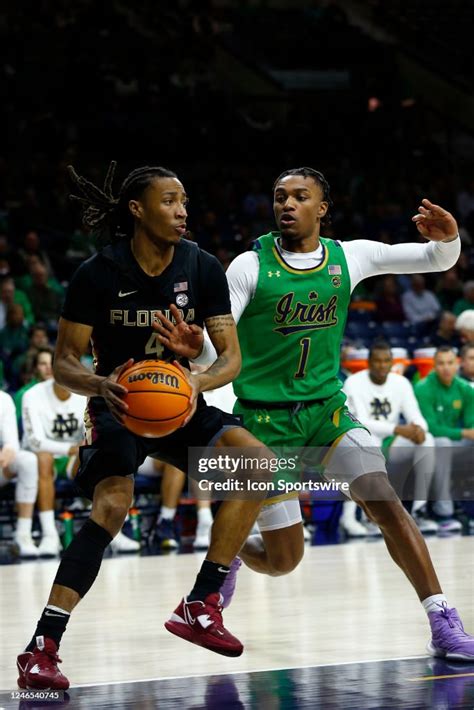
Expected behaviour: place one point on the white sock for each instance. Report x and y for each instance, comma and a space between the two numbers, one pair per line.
349, 510
57, 608
434, 602
204, 516
166, 513
48, 526
23, 527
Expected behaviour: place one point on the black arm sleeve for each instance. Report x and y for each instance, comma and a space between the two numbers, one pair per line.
82, 296
215, 289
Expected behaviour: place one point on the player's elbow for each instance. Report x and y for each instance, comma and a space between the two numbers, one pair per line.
58, 370
236, 365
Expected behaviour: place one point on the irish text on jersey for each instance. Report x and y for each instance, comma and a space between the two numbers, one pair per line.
296, 317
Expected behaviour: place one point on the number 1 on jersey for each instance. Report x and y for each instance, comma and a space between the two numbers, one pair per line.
153, 346
305, 348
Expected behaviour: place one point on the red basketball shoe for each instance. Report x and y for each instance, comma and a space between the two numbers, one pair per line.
201, 623
39, 669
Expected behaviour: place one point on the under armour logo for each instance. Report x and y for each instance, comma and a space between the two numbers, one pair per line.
273, 273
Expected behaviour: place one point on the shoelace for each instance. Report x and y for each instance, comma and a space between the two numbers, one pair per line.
451, 618
52, 658
216, 615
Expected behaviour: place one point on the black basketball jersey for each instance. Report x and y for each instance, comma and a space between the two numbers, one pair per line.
112, 293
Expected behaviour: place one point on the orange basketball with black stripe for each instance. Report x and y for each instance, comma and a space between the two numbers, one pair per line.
158, 398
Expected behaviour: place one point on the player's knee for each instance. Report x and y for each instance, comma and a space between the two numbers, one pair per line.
285, 561
372, 487
385, 512
111, 507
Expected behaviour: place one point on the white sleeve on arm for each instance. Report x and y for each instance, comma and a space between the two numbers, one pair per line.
35, 436
242, 277
366, 258
410, 407
9, 432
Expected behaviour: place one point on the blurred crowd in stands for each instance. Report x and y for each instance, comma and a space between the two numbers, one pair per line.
84, 85
197, 88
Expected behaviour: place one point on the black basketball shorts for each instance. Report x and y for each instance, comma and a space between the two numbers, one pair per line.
113, 450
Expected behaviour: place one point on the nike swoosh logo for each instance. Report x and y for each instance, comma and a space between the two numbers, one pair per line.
51, 613
220, 632
224, 571
126, 293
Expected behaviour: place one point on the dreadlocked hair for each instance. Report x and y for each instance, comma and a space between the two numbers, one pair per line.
107, 216
319, 179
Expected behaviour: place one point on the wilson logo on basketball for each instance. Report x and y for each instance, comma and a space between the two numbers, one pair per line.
156, 378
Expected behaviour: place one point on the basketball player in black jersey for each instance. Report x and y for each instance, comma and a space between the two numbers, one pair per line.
113, 300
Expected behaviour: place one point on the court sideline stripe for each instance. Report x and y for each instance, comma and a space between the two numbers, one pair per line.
441, 677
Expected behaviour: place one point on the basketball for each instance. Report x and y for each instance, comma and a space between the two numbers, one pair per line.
158, 398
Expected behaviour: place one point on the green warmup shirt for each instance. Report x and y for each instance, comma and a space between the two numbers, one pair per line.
447, 410
290, 333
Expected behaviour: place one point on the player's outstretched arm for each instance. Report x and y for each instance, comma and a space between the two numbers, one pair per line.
369, 258
73, 340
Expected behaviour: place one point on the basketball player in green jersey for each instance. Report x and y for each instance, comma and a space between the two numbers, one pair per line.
290, 298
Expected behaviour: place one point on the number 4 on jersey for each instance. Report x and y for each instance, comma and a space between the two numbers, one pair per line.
153, 346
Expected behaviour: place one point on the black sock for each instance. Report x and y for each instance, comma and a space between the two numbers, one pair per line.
210, 579
52, 625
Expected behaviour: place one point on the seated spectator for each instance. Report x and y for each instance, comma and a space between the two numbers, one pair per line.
446, 333
447, 403
13, 339
389, 305
53, 422
53, 428
26, 281
419, 304
32, 247
9, 295
467, 301
466, 370
40, 369
465, 326
379, 399
46, 301
38, 340
22, 467
449, 288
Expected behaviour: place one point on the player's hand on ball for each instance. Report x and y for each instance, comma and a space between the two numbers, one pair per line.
194, 384
435, 223
113, 393
180, 337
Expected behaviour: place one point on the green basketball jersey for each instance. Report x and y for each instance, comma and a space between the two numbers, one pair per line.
291, 331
